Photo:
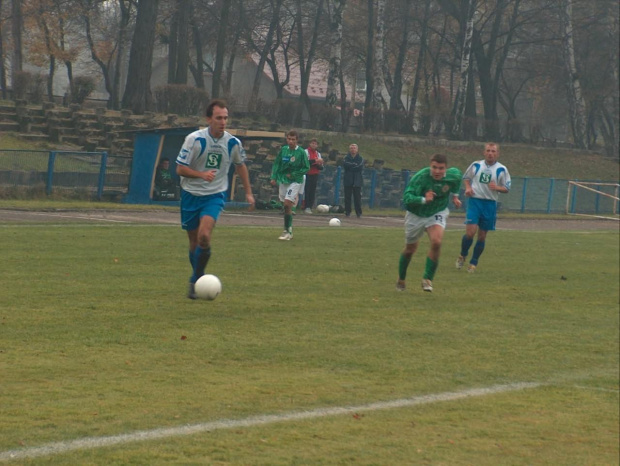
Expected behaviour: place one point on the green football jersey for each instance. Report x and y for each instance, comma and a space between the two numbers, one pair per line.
290, 162
422, 182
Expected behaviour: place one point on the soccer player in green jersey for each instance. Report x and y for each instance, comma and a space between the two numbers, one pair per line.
426, 198
288, 171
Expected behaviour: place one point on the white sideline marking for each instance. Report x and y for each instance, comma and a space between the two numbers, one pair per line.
167, 432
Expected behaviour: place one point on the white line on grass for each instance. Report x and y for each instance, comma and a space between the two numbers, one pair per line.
167, 432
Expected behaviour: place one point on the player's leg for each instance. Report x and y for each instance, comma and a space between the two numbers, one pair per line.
471, 226
478, 249
348, 192
310, 192
414, 229
435, 227
486, 224
357, 200
202, 253
288, 194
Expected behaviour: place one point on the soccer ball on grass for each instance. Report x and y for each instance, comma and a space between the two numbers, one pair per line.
208, 287
334, 222
322, 208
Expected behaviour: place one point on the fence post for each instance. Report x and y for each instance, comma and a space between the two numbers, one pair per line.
524, 195
598, 198
337, 185
104, 163
373, 186
50, 172
550, 197
573, 200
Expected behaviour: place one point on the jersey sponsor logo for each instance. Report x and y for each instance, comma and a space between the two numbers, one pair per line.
213, 160
485, 178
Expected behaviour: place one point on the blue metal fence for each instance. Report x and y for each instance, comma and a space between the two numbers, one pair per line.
25, 173
384, 188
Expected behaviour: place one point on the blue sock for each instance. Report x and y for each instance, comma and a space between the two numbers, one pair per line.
478, 248
192, 262
200, 259
465, 245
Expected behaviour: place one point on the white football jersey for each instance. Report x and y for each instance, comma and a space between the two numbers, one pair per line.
480, 175
202, 152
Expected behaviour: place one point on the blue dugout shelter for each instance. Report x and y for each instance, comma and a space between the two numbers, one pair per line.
151, 146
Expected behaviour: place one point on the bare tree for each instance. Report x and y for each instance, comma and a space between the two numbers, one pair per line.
138, 96
461, 95
336, 9
575, 99
306, 51
220, 49
17, 26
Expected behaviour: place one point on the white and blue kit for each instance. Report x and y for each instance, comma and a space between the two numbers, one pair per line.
482, 206
202, 152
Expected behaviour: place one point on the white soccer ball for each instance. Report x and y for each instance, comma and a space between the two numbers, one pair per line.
334, 222
208, 287
322, 208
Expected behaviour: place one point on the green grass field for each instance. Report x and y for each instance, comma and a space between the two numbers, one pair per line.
97, 339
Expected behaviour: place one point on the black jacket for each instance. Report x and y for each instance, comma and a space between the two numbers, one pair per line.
353, 167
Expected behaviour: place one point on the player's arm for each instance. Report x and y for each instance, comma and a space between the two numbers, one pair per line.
243, 173
503, 183
413, 194
275, 170
187, 172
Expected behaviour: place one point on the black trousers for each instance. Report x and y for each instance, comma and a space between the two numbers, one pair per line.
310, 190
356, 193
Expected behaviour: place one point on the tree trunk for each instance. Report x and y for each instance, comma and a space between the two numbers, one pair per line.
221, 50
396, 89
2, 64
335, 56
17, 26
420, 63
378, 101
138, 97
306, 60
264, 53
125, 7
461, 94
575, 98
370, 54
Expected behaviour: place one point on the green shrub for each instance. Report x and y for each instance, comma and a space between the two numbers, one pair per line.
81, 88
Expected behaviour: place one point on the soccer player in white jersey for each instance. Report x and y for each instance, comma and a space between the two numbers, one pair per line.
483, 180
203, 166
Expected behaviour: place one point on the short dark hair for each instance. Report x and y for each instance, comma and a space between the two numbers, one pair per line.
292, 132
440, 158
215, 103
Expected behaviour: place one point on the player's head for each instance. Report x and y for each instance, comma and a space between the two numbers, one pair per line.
314, 143
291, 138
439, 165
353, 149
217, 117
491, 153
165, 162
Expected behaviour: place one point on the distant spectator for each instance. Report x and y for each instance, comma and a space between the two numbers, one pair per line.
165, 188
312, 177
353, 180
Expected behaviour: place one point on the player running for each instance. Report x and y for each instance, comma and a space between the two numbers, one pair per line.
203, 164
289, 168
426, 198
483, 180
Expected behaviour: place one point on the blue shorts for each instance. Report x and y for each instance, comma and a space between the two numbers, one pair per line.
481, 212
193, 208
